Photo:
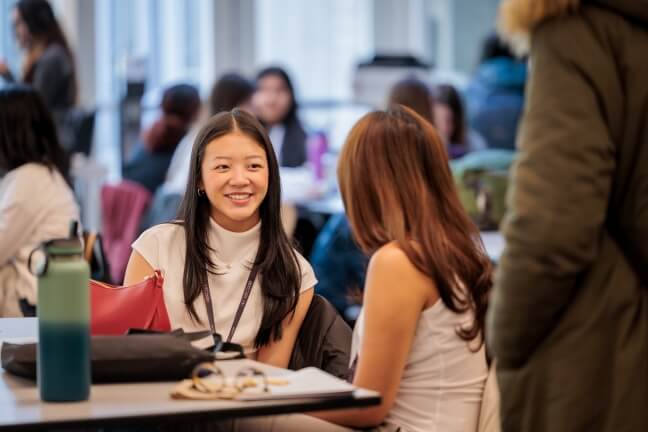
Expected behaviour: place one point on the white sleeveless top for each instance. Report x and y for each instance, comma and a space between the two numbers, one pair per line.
443, 381
163, 247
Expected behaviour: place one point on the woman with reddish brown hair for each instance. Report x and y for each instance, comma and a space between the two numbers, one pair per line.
419, 338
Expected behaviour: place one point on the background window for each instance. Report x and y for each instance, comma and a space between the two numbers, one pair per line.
8, 48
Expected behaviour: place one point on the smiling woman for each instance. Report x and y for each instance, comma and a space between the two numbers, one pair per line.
229, 228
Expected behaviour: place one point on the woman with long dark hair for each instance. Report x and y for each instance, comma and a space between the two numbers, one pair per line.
48, 62
450, 120
36, 202
275, 105
230, 230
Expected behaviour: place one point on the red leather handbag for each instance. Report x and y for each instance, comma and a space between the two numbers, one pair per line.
115, 309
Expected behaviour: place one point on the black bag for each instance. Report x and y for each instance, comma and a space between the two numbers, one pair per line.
323, 341
134, 357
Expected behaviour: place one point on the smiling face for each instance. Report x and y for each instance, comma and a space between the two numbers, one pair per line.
272, 100
234, 176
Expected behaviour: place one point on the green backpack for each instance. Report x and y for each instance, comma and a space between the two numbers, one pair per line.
482, 179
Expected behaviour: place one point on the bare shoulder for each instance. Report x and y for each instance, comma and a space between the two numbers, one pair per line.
391, 255
391, 259
391, 273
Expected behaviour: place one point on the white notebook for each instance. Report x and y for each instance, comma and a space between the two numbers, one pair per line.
302, 383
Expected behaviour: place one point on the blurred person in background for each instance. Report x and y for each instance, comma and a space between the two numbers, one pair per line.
495, 95
36, 202
568, 323
48, 61
275, 105
179, 110
339, 265
415, 94
231, 91
450, 121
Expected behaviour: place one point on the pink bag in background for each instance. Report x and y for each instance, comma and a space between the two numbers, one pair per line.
122, 208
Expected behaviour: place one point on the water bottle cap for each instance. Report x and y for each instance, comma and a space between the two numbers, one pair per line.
64, 246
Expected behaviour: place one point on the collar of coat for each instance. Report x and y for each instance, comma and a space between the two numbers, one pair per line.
518, 18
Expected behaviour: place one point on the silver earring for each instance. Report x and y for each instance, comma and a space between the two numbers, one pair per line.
201, 192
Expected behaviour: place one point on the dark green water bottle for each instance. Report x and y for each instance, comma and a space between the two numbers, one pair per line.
63, 319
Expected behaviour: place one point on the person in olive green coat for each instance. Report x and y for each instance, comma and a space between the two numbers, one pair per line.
568, 320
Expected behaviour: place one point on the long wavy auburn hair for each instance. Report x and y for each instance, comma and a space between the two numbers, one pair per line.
396, 185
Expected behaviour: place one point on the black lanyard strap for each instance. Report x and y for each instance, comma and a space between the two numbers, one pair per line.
241, 307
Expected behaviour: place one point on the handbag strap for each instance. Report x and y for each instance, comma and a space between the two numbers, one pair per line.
241, 307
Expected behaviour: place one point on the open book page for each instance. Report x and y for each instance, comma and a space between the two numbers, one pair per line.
303, 383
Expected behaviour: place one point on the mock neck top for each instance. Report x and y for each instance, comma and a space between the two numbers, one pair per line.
163, 247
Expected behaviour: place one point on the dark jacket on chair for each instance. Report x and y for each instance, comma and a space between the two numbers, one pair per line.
324, 340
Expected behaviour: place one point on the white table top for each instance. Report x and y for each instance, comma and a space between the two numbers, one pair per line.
135, 403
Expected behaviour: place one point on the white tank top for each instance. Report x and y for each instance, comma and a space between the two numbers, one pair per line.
443, 381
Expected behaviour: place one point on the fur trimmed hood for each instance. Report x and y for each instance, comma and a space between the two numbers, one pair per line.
518, 18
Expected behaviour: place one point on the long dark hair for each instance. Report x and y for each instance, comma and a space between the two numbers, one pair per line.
409, 196
446, 94
27, 131
291, 115
42, 24
276, 258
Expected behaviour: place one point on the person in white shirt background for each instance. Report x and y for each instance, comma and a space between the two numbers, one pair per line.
36, 202
229, 222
